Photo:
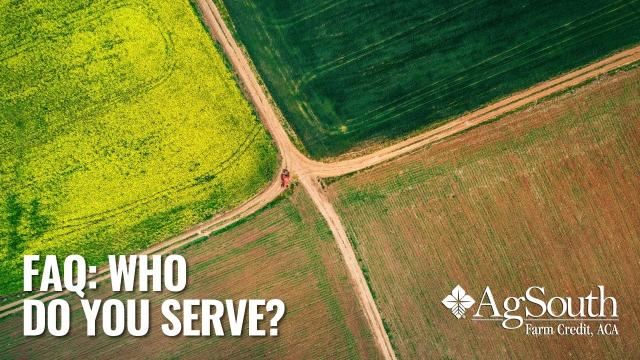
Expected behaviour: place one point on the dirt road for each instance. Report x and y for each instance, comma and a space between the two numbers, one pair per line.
502, 107
309, 171
299, 165
351, 262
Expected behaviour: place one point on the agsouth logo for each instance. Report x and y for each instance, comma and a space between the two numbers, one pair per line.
534, 307
458, 302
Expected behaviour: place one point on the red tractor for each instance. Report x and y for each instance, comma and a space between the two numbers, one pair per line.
285, 177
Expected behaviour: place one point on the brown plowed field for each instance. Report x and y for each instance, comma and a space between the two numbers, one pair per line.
548, 197
297, 260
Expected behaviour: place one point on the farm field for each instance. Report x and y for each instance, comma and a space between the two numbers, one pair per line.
544, 197
285, 252
121, 125
347, 74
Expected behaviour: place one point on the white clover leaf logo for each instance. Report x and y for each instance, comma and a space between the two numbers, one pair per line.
458, 301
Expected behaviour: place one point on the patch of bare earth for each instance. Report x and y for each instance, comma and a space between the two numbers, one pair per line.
547, 197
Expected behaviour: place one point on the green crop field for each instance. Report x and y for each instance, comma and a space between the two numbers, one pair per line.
544, 197
347, 72
121, 125
285, 252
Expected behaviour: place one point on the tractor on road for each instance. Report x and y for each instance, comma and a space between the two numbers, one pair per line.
285, 177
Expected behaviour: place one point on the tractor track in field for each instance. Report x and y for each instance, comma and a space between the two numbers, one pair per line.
309, 171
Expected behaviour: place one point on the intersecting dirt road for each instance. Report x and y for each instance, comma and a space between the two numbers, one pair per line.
309, 171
